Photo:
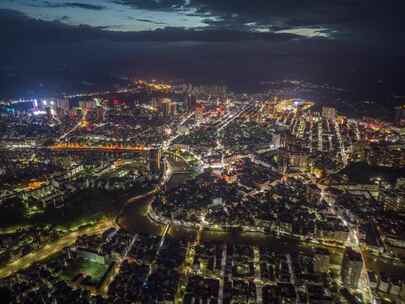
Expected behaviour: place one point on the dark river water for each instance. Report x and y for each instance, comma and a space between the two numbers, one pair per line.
135, 220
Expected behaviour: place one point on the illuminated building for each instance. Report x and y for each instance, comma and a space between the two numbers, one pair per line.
299, 160
154, 102
199, 112
89, 104
352, 266
393, 200
269, 108
99, 114
61, 107
48, 113
165, 107
62, 103
329, 113
191, 103
359, 151
400, 116
173, 108
154, 161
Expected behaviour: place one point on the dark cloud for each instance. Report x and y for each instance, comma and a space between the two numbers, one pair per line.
159, 5
86, 6
147, 21
367, 20
17, 28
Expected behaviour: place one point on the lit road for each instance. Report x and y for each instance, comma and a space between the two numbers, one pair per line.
353, 242
52, 248
75, 127
227, 121
166, 144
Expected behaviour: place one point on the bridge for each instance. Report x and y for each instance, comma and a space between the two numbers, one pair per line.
101, 148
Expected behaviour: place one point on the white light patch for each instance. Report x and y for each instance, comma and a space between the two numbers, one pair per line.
306, 31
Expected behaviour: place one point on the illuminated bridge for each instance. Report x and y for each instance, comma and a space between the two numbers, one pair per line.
101, 148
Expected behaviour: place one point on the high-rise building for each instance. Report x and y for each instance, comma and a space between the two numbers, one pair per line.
400, 116
191, 103
154, 161
199, 112
329, 113
352, 266
154, 102
165, 107
99, 114
88, 104
63, 103
59, 107
49, 113
173, 108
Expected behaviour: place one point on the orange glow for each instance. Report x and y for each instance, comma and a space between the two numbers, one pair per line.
159, 87
33, 185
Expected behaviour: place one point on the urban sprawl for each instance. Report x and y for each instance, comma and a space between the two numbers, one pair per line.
180, 193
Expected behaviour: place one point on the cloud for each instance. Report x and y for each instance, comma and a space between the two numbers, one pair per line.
147, 20
260, 20
64, 18
366, 20
86, 6
17, 28
156, 5
53, 52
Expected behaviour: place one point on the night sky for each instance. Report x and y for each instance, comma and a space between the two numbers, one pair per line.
318, 40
